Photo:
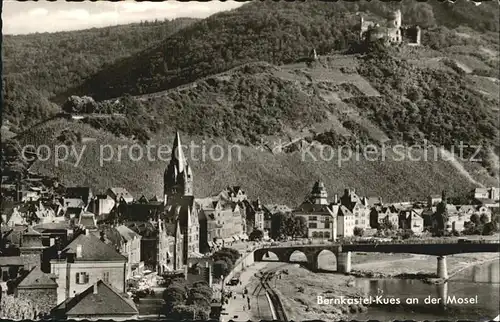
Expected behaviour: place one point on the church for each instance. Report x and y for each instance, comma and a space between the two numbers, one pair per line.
180, 211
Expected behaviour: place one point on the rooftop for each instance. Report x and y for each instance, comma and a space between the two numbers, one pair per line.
99, 299
37, 279
93, 249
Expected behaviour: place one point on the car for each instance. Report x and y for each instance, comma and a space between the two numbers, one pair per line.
233, 281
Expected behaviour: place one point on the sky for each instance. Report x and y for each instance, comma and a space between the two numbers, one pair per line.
42, 16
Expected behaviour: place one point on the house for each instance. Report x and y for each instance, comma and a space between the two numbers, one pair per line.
490, 203
73, 207
159, 250
358, 206
318, 214
345, 221
84, 261
433, 200
120, 193
99, 300
361, 215
456, 223
393, 219
10, 267
128, 243
234, 194
52, 233
224, 222
30, 195
469, 210
269, 211
142, 209
38, 287
409, 219
83, 193
491, 193
31, 248
32, 212
87, 220
102, 205
372, 201
16, 216
254, 215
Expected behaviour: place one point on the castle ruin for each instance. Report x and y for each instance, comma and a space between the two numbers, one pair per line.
392, 31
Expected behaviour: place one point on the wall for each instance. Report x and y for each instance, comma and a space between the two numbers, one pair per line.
246, 260
43, 299
67, 276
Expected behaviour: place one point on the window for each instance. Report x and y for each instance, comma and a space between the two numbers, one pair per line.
105, 277
327, 224
313, 225
82, 278
313, 218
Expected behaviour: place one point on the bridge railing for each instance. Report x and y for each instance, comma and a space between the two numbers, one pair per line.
378, 242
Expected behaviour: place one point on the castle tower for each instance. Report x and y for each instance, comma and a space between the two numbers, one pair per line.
319, 195
397, 19
178, 177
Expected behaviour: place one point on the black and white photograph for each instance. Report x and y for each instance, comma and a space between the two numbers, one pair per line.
250, 160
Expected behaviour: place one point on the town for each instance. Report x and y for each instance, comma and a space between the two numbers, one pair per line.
71, 252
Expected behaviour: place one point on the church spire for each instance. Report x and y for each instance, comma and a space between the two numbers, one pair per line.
178, 177
178, 154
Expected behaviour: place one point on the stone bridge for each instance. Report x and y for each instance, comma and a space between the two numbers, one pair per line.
342, 252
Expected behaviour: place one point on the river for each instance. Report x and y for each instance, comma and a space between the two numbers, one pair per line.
482, 281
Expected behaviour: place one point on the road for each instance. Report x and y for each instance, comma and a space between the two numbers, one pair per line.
151, 305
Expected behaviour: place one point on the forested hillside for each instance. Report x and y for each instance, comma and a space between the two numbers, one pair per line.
276, 32
38, 66
245, 75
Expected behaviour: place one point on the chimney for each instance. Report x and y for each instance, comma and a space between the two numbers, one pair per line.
79, 251
95, 288
86, 232
336, 199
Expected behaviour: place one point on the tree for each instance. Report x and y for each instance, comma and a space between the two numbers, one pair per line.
221, 267
200, 295
386, 225
256, 234
358, 231
277, 223
175, 294
291, 225
474, 218
407, 233
230, 253
484, 219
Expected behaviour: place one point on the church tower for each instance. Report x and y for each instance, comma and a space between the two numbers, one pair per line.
319, 195
178, 177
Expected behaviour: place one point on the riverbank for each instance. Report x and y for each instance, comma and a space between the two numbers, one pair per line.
422, 267
299, 289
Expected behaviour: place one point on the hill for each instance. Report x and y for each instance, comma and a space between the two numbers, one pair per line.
243, 77
66, 59
285, 177
278, 32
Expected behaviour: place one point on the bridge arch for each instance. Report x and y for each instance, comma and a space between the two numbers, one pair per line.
296, 255
326, 259
265, 255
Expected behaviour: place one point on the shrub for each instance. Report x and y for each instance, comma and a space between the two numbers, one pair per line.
358, 231
256, 234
